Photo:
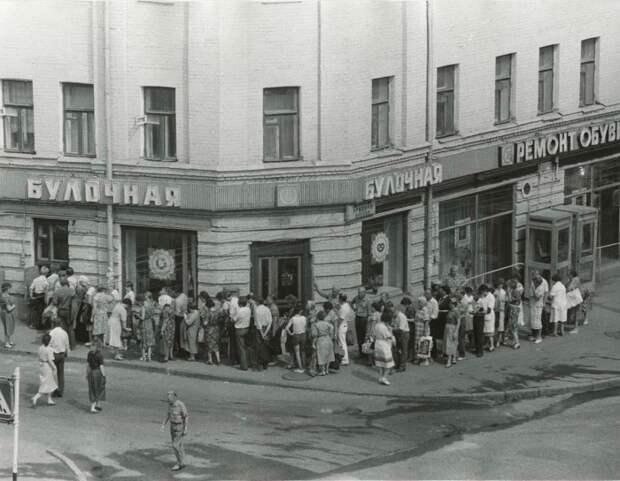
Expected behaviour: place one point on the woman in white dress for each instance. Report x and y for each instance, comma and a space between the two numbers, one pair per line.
558, 305
384, 339
47, 372
116, 323
574, 300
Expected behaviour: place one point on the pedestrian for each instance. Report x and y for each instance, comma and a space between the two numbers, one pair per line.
117, 324
421, 329
296, 328
210, 314
323, 335
7, 314
52, 280
178, 418
84, 315
192, 324
574, 299
469, 302
463, 312
95, 376
347, 316
59, 343
500, 311
559, 308
401, 333
38, 297
101, 307
148, 328
164, 298
130, 300
514, 297
384, 340
242, 319
72, 279
64, 300
451, 334
482, 309
48, 383
433, 312
489, 319
180, 307
362, 306
262, 320
50, 314
166, 332
332, 317
538, 294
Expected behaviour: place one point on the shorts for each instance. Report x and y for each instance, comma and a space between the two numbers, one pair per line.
299, 339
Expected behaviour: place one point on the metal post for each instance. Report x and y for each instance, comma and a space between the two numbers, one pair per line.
15, 421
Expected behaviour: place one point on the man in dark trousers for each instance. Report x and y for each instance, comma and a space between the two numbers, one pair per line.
64, 299
178, 417
59, 343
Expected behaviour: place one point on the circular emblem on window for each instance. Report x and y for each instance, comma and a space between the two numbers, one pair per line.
380, 247
161, 264
526, 189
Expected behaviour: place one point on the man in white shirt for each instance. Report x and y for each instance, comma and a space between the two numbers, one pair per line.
433, 312
59, 343
559, 306
263, 321
38, 294
347, 314
242, 320
489, 319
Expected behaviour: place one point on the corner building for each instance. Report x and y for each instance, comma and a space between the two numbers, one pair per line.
264, 146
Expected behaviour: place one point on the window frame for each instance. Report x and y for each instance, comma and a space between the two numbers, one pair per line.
155, 117
278, 115
446, 92
19, 107
376, 105
81, 121
511, 84
593, 62
49, 224
541, 72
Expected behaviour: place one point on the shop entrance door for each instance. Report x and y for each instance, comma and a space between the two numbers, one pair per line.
281, 269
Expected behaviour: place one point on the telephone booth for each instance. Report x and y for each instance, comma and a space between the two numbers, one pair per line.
549, 241
585, 231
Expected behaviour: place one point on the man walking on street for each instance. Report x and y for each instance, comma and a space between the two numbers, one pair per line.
177, 416
59, 343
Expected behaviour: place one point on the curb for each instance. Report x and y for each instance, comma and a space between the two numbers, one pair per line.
491, 396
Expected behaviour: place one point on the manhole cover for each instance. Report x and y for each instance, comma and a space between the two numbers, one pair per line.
296, 376
614, 334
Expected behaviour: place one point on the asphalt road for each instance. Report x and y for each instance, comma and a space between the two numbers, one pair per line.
242, 431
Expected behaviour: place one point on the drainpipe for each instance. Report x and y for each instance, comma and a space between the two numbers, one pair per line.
108, 139
428, 234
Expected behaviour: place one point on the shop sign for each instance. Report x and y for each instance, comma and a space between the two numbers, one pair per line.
161, 264
395, 183
380, 247
95, 191
559, 143
359, 211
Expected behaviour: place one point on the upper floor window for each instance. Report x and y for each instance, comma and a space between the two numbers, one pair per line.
160, 141
587, 77
18, 116
546, 78
446, 80
380, 136
51, 242
79, 119
503, 88
281, 124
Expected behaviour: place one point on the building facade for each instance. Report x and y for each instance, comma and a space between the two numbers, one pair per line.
269, 145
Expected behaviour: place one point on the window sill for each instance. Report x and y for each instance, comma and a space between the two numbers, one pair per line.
383, 153
163, 161
586, 109
550, 116
68, 156
280, 161
449, 138
505, 125
20, 153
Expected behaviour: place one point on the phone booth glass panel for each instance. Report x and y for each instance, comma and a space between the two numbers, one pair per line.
549, 243
585, 229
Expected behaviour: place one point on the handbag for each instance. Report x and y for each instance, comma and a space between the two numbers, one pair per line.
367, 347
349, 337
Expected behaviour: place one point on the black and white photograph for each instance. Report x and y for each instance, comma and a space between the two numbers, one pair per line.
309, 240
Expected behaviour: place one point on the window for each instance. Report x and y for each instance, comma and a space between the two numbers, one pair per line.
79, 118
546, 69
445, 101
18, 116
587, 76
281, 124
380, 136
503, 88
160, 127
51, 242
389, 270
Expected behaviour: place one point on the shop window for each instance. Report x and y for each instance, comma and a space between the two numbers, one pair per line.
380, 136
546, 78
160, 124
51, 242
607, 173
587, 75
18, 116
157, 258
384, 252
475, 235
577, 185
281, 124
79, 119
503, 88
446, 80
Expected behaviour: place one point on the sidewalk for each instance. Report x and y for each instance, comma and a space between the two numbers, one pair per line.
573, 363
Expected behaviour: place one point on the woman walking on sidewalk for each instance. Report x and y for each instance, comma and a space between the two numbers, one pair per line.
95, 375
47, 372
384, 340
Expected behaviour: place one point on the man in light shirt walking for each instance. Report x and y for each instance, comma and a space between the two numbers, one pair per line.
347, 316
59, 343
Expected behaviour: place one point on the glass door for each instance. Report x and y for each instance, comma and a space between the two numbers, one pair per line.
280, 276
